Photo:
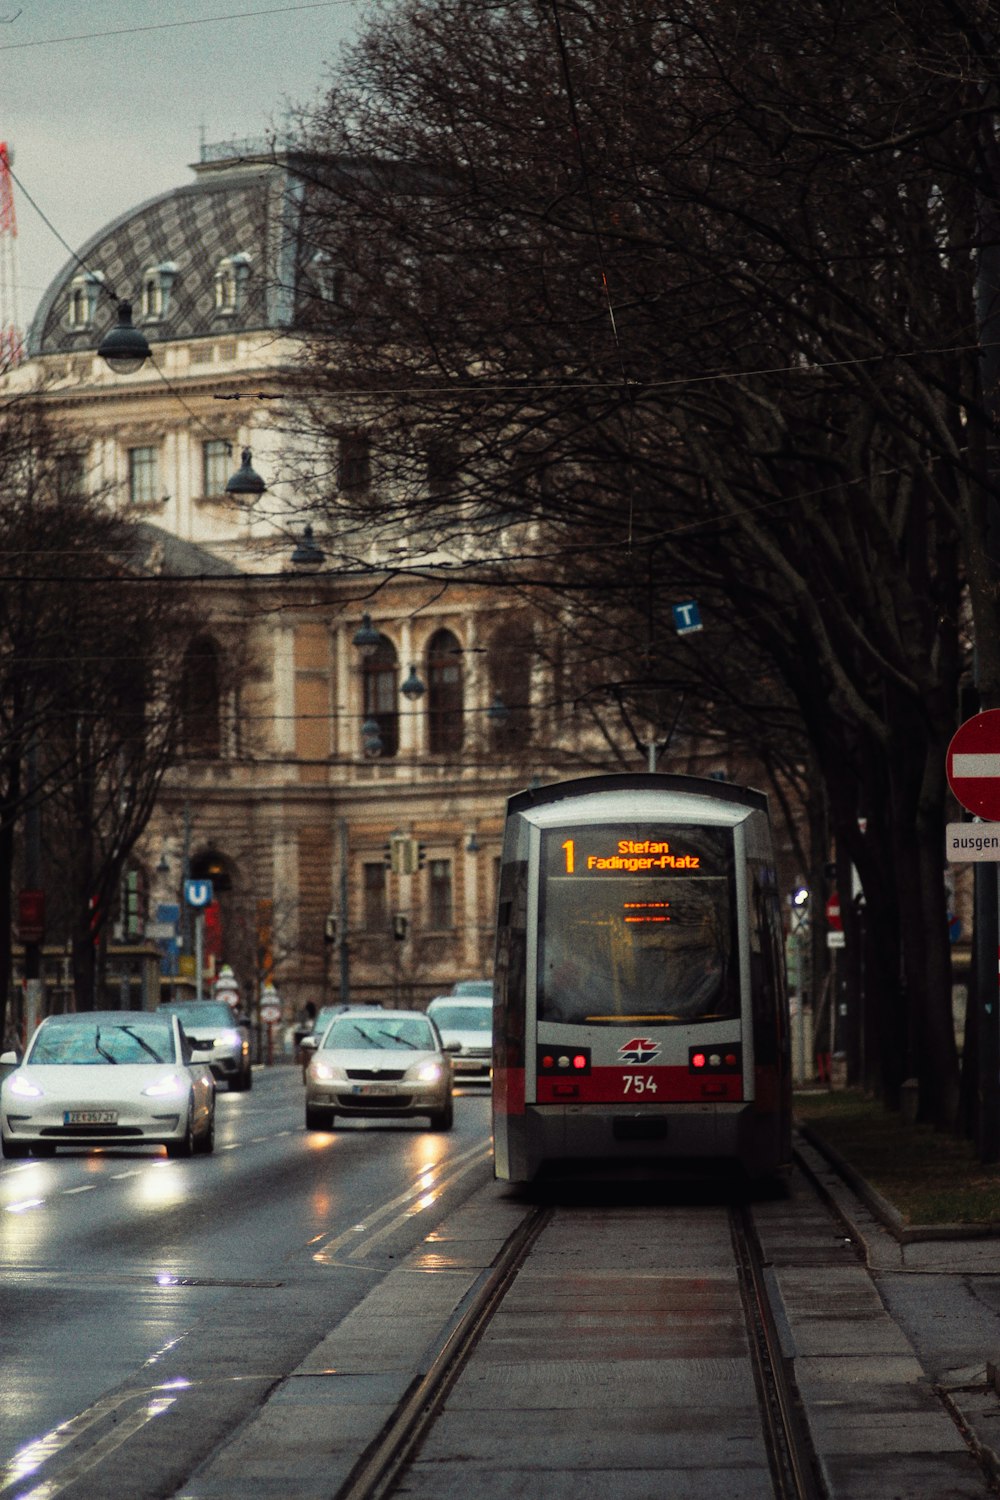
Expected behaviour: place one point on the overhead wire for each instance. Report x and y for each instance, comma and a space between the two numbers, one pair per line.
241, 15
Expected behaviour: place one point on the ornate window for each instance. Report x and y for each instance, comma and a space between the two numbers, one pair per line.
353, 461
144, 475
512, 654
380, 679
216, 465
83, 294
201, 700
231, 276
157, 284
440, 902
445, 694
376, 913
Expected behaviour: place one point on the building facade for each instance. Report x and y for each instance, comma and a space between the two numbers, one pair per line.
348, 741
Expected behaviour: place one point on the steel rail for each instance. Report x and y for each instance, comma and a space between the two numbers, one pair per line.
380, 1465
793, 1462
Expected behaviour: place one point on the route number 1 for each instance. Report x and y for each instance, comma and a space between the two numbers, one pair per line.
568, 846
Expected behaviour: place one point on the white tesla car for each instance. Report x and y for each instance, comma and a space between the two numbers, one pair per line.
107, 1078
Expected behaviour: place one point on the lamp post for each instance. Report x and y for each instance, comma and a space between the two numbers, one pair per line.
124, 348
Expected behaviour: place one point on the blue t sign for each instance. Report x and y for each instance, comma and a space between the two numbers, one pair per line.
687, 617
198, 892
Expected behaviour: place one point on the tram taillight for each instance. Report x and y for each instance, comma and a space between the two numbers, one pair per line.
715, 1060
563, 1061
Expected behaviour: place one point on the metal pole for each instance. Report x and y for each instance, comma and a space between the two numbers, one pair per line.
345, 977
199, 939
987, 887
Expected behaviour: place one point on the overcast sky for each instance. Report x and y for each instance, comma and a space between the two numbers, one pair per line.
98, 122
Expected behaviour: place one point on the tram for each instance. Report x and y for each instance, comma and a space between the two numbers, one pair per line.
640, 1012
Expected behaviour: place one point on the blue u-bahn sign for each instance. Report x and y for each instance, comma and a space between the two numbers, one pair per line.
198, 893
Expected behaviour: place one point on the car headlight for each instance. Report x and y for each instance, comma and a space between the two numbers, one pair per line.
166, 1088
231, 1039
23, 1087
321, 1070
429, 1072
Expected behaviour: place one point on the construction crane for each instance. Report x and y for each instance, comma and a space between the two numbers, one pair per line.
11, 334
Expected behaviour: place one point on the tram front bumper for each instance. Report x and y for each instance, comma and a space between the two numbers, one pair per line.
561, 1135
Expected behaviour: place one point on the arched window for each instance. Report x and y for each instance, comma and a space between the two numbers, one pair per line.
380, 676
512, 654
445, 718
201, 717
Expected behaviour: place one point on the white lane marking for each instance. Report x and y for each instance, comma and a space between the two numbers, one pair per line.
88, 1187
416, 1199
136, 1172
101, 1450
24, 1205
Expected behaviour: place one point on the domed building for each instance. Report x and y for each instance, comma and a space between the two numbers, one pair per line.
348, 742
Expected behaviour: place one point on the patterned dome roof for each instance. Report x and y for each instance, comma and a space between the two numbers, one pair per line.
218, 249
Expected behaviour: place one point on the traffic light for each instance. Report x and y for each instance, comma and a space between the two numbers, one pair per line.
387, 854
400, 927
402, 854
421, 856
330, 929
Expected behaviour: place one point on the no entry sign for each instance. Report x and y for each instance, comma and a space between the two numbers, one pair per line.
973, 764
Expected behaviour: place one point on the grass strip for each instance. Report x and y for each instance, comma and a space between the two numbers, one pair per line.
927, 1176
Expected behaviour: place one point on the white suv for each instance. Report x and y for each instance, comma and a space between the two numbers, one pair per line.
467, 1020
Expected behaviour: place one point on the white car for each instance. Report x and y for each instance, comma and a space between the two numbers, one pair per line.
107, 1078
466, 1023
380, 1062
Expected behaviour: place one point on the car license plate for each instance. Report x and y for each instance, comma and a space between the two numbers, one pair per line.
370, 1088
90, 1117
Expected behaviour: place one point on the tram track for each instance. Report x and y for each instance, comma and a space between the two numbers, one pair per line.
380, 1466
790, 1452
792, 1462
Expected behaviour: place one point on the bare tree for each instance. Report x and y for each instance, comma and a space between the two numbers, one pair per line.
89, 682
639, 303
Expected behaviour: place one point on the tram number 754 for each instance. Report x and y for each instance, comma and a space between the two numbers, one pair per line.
638, 1083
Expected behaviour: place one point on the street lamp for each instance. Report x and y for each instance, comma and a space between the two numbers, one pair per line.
371, 739
413, 689
308, 554
366, 637
246, 481
124, 348
498, 713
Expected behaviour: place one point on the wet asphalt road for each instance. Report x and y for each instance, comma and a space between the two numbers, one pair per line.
133, 1287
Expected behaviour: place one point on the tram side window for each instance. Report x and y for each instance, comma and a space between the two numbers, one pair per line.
625, 938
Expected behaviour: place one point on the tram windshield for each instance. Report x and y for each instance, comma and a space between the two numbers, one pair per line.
637, 923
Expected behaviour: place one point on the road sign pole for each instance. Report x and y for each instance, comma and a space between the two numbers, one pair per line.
199, 950
987, 981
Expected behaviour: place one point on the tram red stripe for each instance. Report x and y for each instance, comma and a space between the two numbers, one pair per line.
635, 1086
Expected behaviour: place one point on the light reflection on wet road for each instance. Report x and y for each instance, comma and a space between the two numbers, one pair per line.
120, 1267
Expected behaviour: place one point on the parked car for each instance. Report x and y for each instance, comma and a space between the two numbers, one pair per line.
108, 1078
482, 988
380, 1062
214, 1022
466, 1022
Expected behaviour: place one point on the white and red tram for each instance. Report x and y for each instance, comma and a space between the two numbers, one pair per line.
640, 1008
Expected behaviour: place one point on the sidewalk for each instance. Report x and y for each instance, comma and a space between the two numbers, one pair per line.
612, 1370
936, 1256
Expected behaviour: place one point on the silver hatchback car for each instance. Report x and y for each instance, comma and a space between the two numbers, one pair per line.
380, 1062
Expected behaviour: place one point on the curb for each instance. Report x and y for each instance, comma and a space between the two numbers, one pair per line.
882, 1209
